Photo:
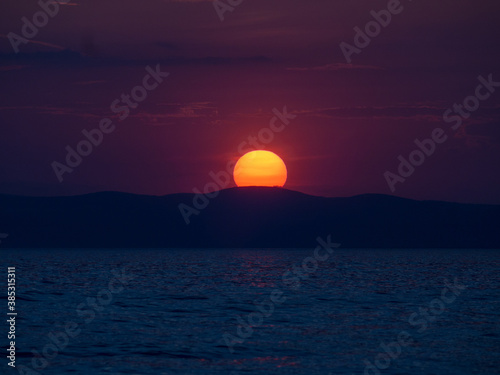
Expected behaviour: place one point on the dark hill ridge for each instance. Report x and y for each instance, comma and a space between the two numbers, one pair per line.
245, 217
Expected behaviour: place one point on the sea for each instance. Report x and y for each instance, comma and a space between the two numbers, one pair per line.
251, 311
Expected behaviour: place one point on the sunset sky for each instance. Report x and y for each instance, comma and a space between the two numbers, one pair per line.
226, 78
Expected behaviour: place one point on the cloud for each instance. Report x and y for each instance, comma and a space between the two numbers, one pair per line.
193, 111
168, 46
485, 130
71, 58
11, 67
188, 1
416, 112
427, 112
55, 111
45, 44
338, 66
86, 83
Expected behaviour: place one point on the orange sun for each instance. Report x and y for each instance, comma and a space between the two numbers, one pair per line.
260, 168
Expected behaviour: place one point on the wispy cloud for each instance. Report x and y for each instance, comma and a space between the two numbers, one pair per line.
86, 83
71, 58
11, 67
338, 66
38, 42
418, 111
194, 111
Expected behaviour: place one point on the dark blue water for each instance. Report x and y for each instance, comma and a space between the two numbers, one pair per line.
187, 312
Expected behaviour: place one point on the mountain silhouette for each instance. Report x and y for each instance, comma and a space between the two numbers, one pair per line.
253, 217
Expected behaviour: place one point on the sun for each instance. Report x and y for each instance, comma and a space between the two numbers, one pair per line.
260, 168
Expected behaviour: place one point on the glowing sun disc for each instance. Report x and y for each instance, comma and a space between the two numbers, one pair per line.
260, 168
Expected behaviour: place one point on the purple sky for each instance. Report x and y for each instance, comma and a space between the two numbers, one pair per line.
226, 77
